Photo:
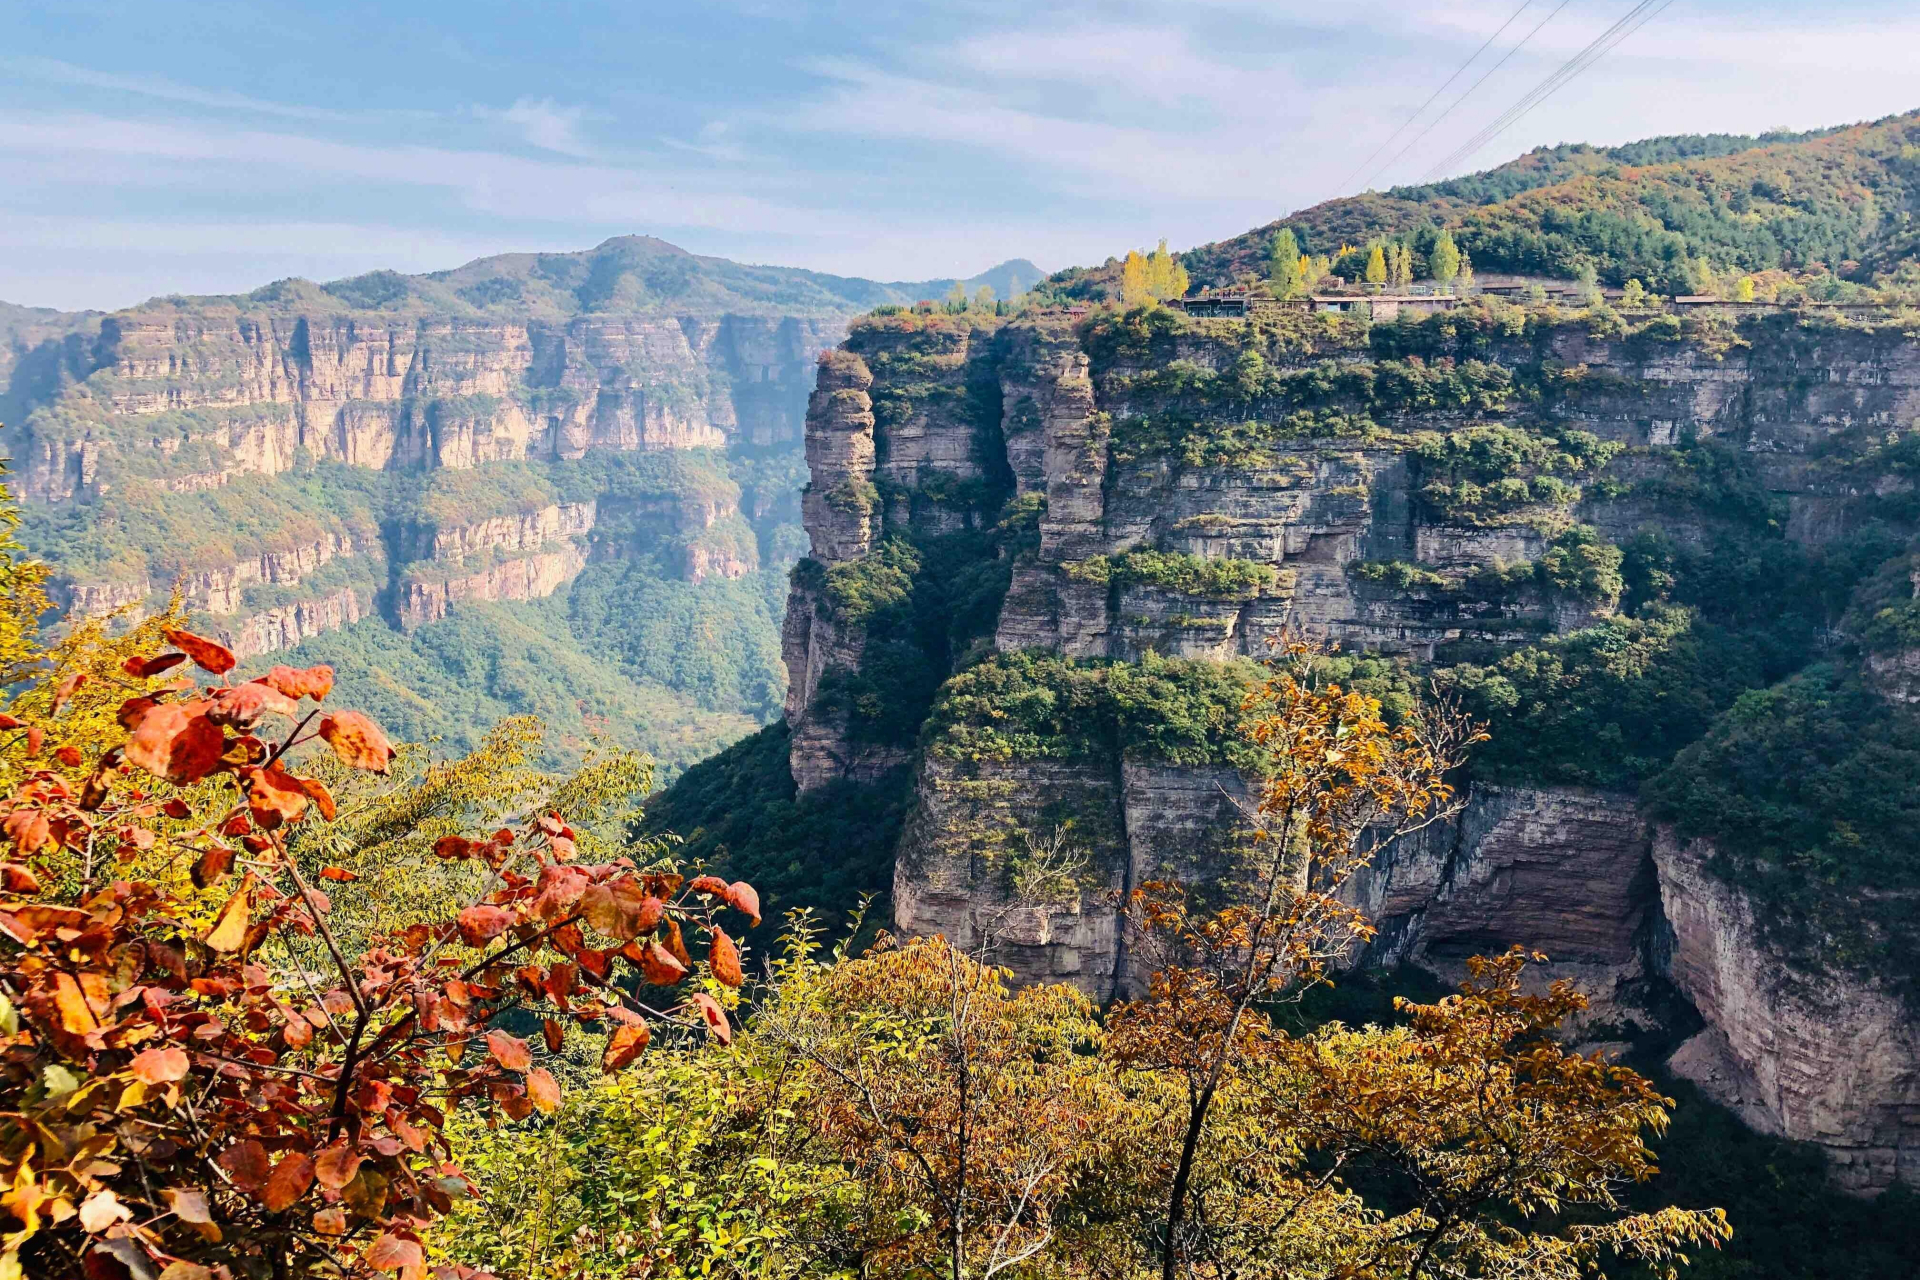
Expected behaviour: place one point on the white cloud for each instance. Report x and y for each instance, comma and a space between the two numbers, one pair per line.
547, 125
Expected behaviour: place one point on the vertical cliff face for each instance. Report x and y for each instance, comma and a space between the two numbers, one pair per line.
1816, 1055
157, 453
1166, 497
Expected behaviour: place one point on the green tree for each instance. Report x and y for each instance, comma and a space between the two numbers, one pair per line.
1444, 262
1284, 265
1635, 295
957, 298
1743, 290
983, 298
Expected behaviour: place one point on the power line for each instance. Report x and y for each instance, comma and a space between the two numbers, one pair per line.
1637, 17
1401, 154
1458, 72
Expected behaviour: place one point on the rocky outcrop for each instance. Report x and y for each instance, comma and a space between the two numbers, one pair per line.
1821, 1057
527, 577
1125, 433
1565, 871
286, 626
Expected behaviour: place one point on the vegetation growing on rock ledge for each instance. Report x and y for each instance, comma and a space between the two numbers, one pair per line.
1216, 577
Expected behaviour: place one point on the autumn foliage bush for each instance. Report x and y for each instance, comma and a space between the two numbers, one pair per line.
210, 1071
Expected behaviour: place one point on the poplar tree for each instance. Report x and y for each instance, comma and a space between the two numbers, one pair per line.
1377, 265
1444, 262
1284, 269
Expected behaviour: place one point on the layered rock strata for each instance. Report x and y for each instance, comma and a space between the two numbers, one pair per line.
1194, 501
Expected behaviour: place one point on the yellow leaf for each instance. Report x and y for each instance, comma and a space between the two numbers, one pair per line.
230, 930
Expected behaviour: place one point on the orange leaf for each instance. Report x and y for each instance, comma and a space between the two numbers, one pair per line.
159, 1065
553, 1034
712, 886
724, 959
336, 1166
147, 668
745, 899
509, 1051
660, 967
623, 1046
245, 705
544, 1090
76, 1016
713, 1015
229, 930
66, 689
290, 1180
341, 874
210, 655
392, 1253
317, 792
29, 830
177, 742
453, 847
299, 1032
618, 907
482, 923
357, 740
274, 796
68, 756
311, 682
330, 1222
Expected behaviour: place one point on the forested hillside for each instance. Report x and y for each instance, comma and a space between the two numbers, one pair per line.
1831, 210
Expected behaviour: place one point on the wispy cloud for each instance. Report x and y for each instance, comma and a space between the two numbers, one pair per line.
546, 124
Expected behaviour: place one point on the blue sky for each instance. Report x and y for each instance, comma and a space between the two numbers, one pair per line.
212, 146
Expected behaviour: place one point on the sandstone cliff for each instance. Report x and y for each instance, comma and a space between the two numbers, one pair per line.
1147, 489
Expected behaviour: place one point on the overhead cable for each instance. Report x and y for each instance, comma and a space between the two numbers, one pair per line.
1641, 14
1401, 154
1458, 71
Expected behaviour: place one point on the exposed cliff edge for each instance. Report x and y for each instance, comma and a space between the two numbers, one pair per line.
1086, 528
273, 453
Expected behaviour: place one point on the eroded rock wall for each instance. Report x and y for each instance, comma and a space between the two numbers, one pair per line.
1360, 552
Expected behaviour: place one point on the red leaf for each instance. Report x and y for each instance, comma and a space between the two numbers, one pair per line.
713, 1015
246, 1163
724, 959
147, 668
290, 1180
712, 886
553, 1034
159, 1065
482, 923
298, 1031
453, 847
357, 740
245, 705
209, 655
336, 1166
177, 742
213, 866
274, 796
312, 682
659, 966
509, 1051
623, 1046
68, 756
134, 710
29, 830
330, 1222
317, 792
392, 1253
66, 689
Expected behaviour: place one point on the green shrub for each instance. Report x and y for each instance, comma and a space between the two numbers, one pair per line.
1217, 578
